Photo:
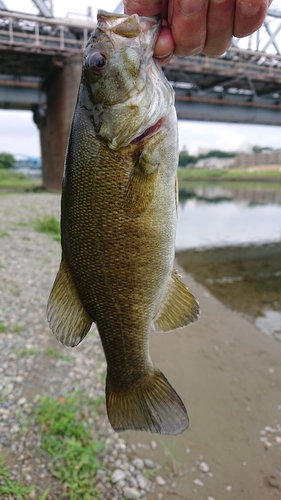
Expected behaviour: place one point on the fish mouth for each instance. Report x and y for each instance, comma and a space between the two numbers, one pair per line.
148, 132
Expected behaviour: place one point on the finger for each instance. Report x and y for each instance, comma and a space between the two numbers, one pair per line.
188, 21
164, 46
143, 7
249, 16
219, 27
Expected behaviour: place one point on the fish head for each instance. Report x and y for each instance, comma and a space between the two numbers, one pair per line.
123, 89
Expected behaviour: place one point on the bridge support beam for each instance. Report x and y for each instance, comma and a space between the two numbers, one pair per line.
55, 123
236, 112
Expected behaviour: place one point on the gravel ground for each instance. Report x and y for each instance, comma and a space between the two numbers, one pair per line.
28, 264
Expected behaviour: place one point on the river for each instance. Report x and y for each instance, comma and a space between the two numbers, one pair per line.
229, 239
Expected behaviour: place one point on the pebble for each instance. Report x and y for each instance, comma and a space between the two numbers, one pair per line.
204, 467
228, 488
142, 482
211, 498
131, 493
118, 475
21, 401
138, 463
198, 482
149, 463
160, 481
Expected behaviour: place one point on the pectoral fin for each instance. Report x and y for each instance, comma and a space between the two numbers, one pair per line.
139, 190
67, 317
178, 308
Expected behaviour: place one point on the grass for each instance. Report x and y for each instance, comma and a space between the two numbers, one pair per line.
52, 351
27, 351
227, 174
14, 328
67, 438
10, 179
49, 225
175, 466
3, 328
9, 487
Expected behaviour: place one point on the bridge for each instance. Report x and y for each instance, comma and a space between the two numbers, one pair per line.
40, 67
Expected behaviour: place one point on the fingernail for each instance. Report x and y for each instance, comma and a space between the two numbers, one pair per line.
164, 59
249, 9
189, 7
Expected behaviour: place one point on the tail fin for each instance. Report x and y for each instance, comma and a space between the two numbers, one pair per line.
151, 405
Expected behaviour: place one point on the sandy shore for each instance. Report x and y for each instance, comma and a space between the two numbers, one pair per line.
228, 374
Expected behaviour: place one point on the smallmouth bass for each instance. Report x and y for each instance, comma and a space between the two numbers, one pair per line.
118, 222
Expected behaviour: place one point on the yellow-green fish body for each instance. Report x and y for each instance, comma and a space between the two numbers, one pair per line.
118, 222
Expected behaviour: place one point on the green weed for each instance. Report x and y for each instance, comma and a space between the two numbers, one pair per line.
67, 437
175, 465
44, 495
52, 351
15, 328
27, 351
3, 328
14, 289
149, 473
16, 180
49, 225
10, 487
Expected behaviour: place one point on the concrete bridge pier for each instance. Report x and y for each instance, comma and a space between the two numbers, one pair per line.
54, 121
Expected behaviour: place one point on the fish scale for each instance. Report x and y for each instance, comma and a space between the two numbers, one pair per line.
118, 225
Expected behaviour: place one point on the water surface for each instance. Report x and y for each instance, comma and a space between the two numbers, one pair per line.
230, 240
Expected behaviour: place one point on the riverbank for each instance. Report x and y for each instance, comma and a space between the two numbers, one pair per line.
260, 173
226, 371
12, 180
228, 374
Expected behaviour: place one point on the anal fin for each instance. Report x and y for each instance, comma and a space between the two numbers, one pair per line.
67, 317
178, 307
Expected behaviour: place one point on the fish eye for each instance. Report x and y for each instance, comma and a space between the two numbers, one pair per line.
97, 62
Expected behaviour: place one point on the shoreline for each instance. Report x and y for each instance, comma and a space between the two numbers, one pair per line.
228, 374
231, 179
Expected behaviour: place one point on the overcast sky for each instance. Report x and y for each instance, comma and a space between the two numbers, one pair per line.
19, 135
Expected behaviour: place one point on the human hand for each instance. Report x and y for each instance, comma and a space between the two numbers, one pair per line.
194, 26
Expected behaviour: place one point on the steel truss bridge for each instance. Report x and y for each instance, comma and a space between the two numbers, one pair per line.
40, 67
242, 85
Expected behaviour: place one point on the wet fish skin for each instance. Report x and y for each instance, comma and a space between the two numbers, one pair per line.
118, 223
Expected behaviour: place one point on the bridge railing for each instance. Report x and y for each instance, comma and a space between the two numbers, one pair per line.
37, 34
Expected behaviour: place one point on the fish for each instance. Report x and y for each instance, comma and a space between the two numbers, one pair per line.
118, 222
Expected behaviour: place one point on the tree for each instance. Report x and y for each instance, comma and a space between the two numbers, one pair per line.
217, 153
7, 160
258, 149
185, 158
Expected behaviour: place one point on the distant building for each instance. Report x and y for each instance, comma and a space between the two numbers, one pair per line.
262, 158
214, 162
24, 161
